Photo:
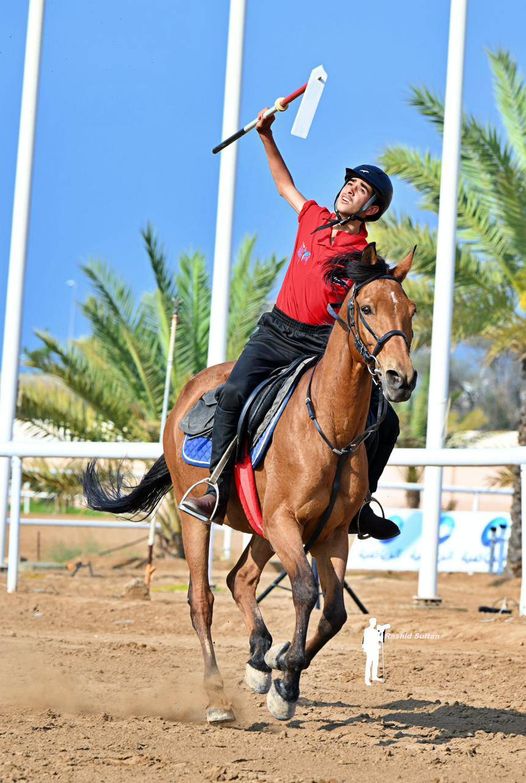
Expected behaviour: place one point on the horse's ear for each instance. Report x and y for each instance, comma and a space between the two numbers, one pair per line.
401, 271
369, 254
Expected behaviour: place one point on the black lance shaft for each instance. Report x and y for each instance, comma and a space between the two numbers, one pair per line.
281, 104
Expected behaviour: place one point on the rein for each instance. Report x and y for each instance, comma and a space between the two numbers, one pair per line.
351, 327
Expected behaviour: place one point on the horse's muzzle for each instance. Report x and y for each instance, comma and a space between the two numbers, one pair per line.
397, 387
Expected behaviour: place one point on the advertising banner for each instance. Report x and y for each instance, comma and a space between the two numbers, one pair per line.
469, 541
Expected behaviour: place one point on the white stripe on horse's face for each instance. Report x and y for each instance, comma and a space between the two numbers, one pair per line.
395, 300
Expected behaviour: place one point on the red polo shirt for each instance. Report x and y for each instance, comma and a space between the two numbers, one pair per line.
304, 294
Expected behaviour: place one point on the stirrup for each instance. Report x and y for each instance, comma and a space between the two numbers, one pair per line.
368, 500
183, 507
211, 481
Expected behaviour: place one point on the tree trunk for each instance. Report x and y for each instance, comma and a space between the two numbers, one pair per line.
515, 542
412, 496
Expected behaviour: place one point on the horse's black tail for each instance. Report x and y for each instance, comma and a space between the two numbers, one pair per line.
143, 497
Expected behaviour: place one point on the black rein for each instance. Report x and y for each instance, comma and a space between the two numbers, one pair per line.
370, 360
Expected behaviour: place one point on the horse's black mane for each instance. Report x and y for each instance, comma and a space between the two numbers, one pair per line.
341, 269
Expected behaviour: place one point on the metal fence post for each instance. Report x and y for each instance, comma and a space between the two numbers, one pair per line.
14, 525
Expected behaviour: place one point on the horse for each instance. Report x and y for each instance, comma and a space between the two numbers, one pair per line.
310, 474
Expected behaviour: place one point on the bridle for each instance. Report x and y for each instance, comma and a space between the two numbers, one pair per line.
351, 325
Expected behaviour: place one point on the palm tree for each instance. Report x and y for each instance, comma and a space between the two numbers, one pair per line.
413, 420
109, 386
490, 286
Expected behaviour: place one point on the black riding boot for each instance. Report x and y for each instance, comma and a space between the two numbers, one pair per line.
225, 429
366, 523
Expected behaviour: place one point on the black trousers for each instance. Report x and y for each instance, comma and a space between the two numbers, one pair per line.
278, 341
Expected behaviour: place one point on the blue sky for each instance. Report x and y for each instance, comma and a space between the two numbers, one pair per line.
131, 99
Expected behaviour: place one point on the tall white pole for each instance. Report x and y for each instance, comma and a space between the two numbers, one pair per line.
227, 181
17, 257
164, 414
169, 367
14, 527
443, 302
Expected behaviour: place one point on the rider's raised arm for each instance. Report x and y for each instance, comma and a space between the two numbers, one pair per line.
280, 173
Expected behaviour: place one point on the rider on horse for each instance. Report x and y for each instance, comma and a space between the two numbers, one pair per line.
300, 323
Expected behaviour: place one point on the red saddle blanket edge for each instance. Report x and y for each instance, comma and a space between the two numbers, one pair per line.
248, 494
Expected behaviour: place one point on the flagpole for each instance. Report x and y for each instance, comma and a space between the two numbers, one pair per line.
18, 250
227, 182
443, 301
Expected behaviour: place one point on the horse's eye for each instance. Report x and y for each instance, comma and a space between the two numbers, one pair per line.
366, 310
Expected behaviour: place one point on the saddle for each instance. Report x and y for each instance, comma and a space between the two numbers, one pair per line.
257, 421
256, 426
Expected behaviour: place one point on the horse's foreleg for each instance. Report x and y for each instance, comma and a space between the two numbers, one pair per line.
196, 537
331, 557
284, 693
242, 582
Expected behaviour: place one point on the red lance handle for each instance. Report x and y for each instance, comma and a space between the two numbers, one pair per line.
281, 104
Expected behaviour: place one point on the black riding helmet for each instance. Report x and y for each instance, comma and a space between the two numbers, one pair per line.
380, 183
382, 194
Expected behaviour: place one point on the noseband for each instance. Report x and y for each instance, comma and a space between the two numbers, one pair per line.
351, 325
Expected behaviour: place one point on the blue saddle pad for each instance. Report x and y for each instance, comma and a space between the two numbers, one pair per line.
197, 449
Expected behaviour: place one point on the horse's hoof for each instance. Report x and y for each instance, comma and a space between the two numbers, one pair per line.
257, 681
220, 715
278, 707
275, 652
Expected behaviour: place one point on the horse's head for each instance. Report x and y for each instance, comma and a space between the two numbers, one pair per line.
379, 317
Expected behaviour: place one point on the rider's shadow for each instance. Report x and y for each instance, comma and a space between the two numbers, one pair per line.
452, 720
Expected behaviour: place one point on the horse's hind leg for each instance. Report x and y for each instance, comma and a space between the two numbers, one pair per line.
331, 557
196, 537
242, 582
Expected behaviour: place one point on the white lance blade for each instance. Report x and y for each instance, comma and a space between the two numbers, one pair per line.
309, 102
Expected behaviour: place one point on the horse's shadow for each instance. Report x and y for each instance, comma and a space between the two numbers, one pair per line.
451, 720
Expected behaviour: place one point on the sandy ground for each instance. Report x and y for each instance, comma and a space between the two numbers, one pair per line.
96, 687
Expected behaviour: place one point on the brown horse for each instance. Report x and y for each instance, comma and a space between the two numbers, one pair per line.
294, 486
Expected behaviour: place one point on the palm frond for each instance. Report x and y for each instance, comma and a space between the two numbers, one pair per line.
490, 168
114, 308
506, 337
510, 92
53, 409
193, 292
476, 223
166, 292
101, 388
110, 385
252, 282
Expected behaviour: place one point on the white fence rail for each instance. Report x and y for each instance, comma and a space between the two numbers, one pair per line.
17, 450
27, 494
